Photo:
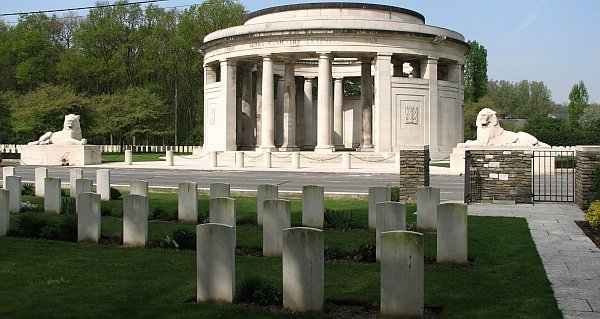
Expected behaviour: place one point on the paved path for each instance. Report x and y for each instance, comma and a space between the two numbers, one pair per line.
571, 259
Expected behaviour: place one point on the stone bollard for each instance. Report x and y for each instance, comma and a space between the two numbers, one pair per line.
402, 274
13, 185
169, 156
264, 192
212, 156
452, 233
103, 184
313, 206
7, 171
135, 220
427, 200
346, 162
40, 174
239, 159
187, 202
138, 188
74, 175
220, 190
376, 195
221, 210
277, 217
391, 216
267, 159
88, 217
52, 200
4, 212
303, 269
215, 263
296, 160
128, 157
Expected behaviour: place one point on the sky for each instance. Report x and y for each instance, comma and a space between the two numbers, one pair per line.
553, 41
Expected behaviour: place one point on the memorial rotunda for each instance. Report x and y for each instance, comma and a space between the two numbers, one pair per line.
276, 82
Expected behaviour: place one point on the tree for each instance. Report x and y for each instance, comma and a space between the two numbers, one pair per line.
578, 101
476, 79
550, 130
521, 99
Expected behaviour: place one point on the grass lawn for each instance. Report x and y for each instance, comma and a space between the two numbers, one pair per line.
137, 157
52, 279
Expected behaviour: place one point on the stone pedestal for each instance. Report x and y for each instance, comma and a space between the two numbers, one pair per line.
215, 263
40, 174
376, 195
74, 175
220, 190
264, 192
313, 206
76, 155
427, 200
277, 217
135, 220
452, 233
88, 217
222, 211
103, 184
187, 202
303, 269
391, 216
52, 199
13, 185
4, 212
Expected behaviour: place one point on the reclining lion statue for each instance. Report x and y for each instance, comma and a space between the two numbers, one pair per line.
70, 134
489, 133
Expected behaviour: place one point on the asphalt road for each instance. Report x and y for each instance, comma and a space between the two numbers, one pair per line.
451, 186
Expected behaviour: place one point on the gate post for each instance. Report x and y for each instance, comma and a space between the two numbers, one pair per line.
414, 171
586, 184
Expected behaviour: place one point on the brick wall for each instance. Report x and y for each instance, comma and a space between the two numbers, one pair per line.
414, 171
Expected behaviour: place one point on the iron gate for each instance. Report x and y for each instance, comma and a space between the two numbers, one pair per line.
472, 185
553, 176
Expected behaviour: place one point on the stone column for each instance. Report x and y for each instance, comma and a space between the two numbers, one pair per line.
586, 187
13, 185
279, 111
277, 217
264, 192
366, 101
222, 211
103, 184
414, 171
40, 174
391, 216
313, 206
299, 111
219, 190
4, 212
215, 263
187, 202
267, 141
324, 105
52, 200
229, 102
452, 233
338, 113
432, 110
88, 217
455, 75
383, 103
310, 135
74, 174
402, 274
289, 108
303, 269
135, 220
258, 105
248, 112
427, 200
377, 194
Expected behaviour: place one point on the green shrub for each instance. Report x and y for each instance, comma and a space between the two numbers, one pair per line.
335, 253
593, 215
64, 192
115, 194
184, 238
67, 229
29, 207
339, 220
31, 225
395, 194
106, 211
245, 220
48, 232
365, 253
598, 182
28, 189
68, 206
256, 290
159, 213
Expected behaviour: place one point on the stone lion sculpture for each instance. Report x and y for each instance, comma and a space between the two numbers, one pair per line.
70, 134
489, 133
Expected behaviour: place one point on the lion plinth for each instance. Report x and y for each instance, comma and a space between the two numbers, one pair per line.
70, 134
489, 133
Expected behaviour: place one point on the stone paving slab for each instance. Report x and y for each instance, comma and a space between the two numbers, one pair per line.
571, 259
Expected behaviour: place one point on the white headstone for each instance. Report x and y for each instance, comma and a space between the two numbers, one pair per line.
187, 202
74, 175
303, 269
452, 233
128, 157
277, 217
264, 192
88, 217
40, 174
103, 184
52, 200
219, 190
7, 171
427, 200
13, 185
215, 263
402, 274
390, 216
84, 185
313, 206
4, 212
222, 211
376, 195
135, 220
138, 188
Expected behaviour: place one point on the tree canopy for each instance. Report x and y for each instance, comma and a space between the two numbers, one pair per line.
578, 102
476, 79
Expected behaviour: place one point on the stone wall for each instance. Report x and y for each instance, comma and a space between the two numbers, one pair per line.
414, 171
587, 161
504, 175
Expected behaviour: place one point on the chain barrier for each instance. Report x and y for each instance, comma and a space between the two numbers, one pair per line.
372, 161
254, 157
285, 156
190, 157
320, 159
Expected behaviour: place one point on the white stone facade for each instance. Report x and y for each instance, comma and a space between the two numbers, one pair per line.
290, 63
